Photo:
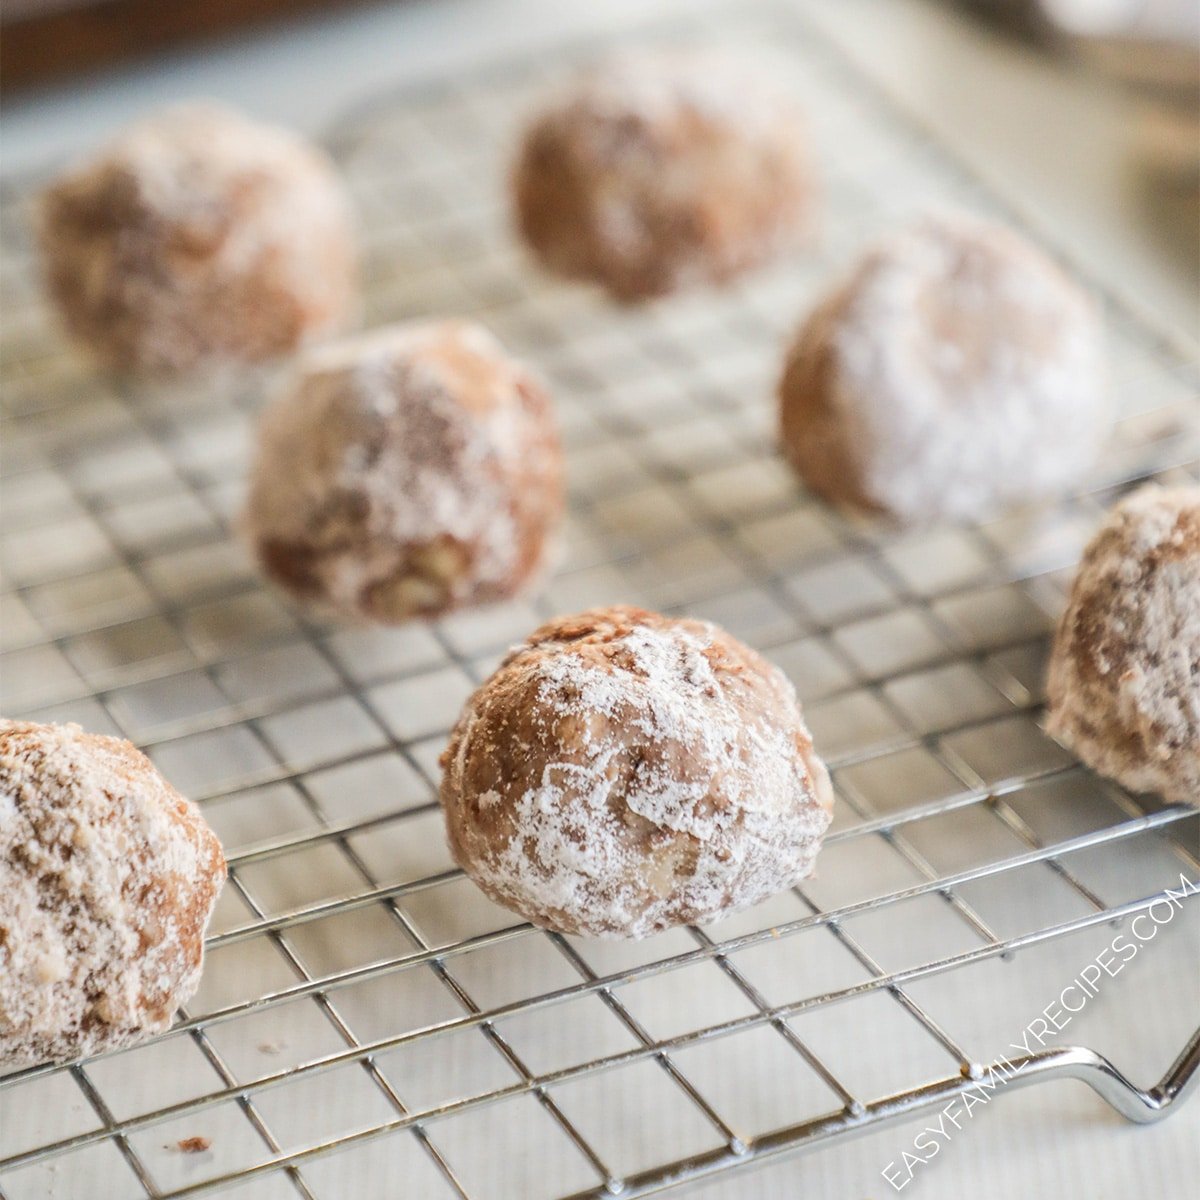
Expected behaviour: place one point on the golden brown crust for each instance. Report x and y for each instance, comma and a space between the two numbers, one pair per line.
623, 772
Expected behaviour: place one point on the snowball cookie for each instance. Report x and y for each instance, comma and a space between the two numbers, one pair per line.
107, 880
954, 372
624, 772
1124, 680
198, 235
406, 472
654, 171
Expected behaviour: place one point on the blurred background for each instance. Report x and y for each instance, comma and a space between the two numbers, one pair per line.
1083, 114
1086, 113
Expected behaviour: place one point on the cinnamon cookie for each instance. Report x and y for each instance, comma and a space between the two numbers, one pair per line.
624, 772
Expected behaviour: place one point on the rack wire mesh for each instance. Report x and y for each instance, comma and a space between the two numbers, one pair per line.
365, 1013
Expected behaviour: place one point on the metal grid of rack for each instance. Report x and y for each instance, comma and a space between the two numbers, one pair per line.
364, 1010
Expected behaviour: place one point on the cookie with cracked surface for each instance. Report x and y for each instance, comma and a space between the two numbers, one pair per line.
624, 772
107, 880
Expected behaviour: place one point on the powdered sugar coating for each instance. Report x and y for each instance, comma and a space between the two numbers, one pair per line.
623, 772
654, 171
198, 235
406, 471
107, 881
1124, 677
956, 371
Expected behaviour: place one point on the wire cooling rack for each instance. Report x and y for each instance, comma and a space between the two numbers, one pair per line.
368, 1021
